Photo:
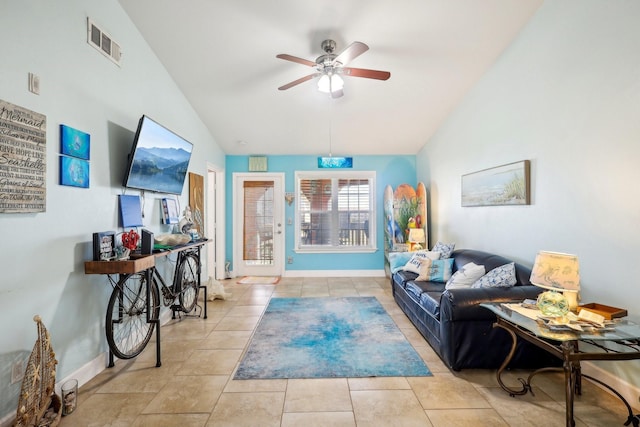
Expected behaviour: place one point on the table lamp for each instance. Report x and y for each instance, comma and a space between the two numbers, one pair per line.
557, 272
416, 238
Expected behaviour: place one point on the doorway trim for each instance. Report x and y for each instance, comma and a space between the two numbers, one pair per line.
279, 249
215, 221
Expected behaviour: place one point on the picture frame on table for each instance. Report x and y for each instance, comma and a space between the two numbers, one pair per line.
169, 211
104, 246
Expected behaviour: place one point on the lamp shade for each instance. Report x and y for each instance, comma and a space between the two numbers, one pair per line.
556, 271
330, 83
416, 235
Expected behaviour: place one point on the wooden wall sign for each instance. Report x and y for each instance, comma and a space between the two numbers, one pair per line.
196, 200
23, 158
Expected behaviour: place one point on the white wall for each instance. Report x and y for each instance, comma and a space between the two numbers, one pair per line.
43, 254
565, 95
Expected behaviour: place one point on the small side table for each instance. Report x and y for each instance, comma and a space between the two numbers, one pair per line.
621, 343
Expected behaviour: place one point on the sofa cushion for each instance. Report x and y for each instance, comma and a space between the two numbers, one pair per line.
417, 288
466, 276
401, 277
414, 263
444, 248
430, 301
413, 290
500, 277
435, 271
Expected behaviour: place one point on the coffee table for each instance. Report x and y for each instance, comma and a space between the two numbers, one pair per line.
620, 342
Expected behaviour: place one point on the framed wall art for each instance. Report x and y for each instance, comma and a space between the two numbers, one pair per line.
196, 200
74, 143
74, 172
501, 185
23, 163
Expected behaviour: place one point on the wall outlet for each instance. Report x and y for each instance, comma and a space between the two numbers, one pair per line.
34, 83
17, 371
290, 260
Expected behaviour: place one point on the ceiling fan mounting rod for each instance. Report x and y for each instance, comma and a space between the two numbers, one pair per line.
328, 46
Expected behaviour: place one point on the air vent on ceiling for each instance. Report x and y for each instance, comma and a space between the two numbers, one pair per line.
103, 42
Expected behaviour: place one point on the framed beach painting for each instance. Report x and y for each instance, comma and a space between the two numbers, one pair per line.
74, 142
74, 172
501, 185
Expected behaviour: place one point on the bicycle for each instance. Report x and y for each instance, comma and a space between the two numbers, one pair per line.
134, 307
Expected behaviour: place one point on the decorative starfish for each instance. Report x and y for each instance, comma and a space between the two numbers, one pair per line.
36, 374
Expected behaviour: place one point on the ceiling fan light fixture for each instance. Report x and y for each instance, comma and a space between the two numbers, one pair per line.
330, 83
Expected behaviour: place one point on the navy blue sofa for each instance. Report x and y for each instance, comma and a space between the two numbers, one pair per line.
455, 325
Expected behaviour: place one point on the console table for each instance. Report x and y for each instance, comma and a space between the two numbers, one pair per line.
622, 342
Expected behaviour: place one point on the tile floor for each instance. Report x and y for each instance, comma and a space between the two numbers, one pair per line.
194, 385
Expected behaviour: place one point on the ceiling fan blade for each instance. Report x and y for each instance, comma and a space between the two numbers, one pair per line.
351, 52
297, 82
363, 72
296, 59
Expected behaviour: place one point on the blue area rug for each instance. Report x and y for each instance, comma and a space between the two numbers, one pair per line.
329, 338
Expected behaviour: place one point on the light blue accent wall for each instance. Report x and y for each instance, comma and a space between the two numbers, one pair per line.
390, 170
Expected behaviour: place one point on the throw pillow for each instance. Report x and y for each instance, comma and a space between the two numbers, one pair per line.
414, 263
397, 260
500, 277
444, 248
466, 276
436, 270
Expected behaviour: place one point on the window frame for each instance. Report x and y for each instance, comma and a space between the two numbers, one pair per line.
336, 175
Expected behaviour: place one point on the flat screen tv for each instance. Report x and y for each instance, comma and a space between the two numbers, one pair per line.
159, 159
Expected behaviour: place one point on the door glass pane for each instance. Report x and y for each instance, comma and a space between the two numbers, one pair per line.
258, 223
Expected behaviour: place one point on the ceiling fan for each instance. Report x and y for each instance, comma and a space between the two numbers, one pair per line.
330, 66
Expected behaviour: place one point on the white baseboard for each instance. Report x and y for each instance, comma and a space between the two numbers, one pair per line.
85, 373
629, 391
334, 273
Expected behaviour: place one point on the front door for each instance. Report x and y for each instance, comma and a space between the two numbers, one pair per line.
258, 216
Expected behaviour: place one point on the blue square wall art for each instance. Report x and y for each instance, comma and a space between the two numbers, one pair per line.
74, 172
74, 143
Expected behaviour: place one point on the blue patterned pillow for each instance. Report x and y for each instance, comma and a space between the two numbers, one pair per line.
397, 260
436, 271
500, 277
445, 249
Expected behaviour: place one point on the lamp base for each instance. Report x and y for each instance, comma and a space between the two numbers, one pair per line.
552, 304
572, 299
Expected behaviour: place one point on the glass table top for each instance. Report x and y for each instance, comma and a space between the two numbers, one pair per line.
623, 329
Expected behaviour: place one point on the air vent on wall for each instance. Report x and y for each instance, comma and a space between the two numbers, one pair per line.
103, 42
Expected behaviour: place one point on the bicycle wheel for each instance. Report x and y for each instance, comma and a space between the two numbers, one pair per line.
127, 329
187, 276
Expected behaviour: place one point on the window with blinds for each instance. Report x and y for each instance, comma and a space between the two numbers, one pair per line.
335, 211
258, 222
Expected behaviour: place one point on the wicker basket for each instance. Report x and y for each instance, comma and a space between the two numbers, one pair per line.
38, 404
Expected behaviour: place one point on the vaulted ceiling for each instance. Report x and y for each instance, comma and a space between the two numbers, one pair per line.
222, 55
